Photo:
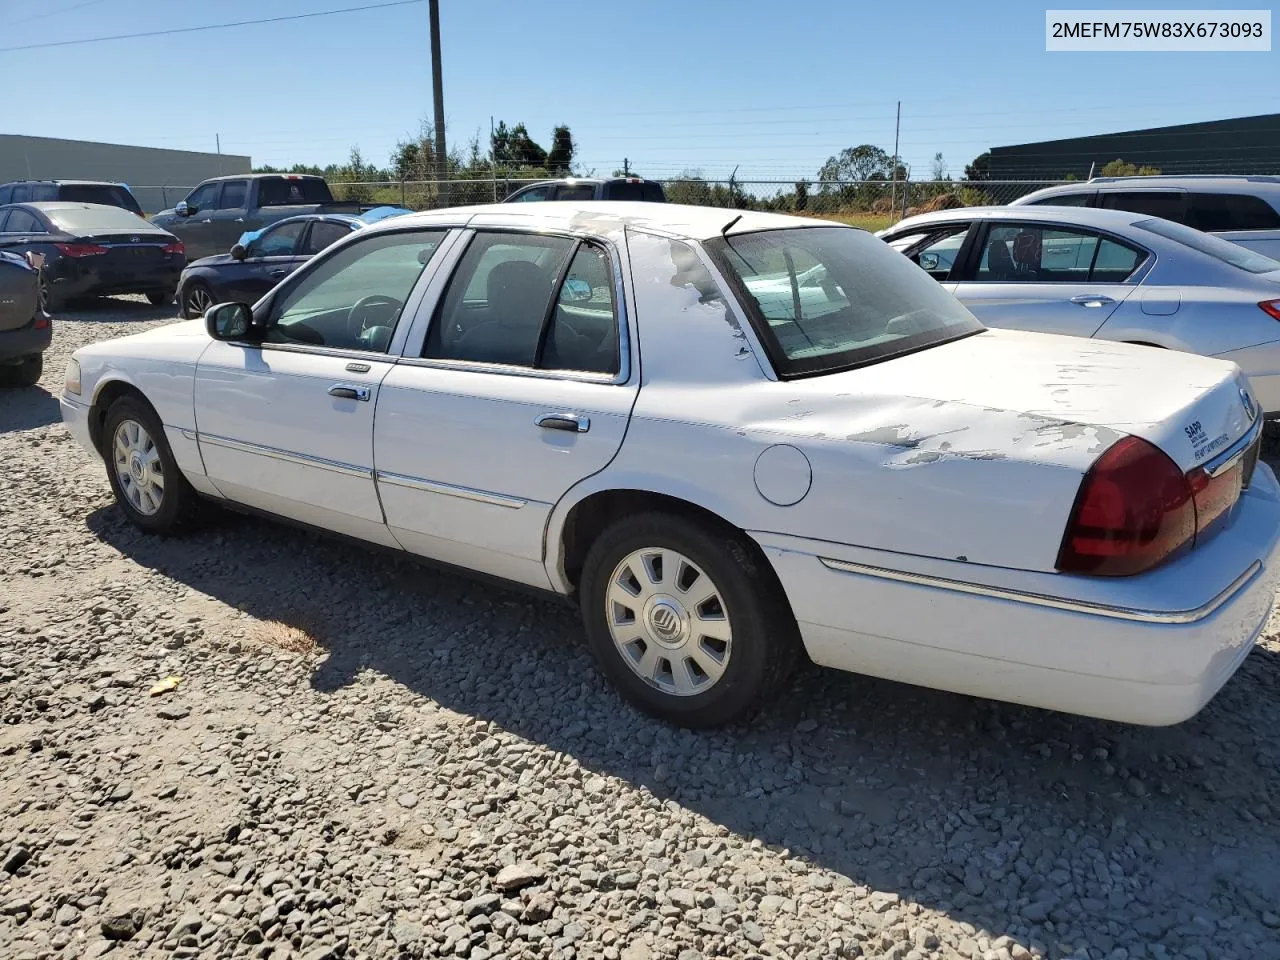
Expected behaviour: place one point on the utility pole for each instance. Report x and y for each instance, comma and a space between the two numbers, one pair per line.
217, 140
437, 88
493, 161
626, 167
893, 190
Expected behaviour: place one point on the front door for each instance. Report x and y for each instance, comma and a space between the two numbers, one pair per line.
286, 424
269, 258
520, 388
196, 229
228, 220
1047, 278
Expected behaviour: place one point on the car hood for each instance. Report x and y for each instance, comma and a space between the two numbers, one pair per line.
218, 259
1029, 396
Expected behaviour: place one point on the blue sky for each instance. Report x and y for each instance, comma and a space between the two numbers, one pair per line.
771, 87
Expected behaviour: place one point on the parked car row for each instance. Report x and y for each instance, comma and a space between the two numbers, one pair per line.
25, 329
827, 454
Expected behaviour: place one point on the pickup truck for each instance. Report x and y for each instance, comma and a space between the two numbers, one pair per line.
215, 214
591, 188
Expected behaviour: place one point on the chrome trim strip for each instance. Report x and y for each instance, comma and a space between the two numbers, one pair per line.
1044, 600
1227, 459
189, 434
288, 456
449, 490
475, 366
313, 350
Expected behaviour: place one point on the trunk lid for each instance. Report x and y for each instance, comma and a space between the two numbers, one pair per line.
128, 253
1189, 406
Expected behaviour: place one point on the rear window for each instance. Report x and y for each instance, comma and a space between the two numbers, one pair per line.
96, 219
281, 192
1154, 203
1210, 245
1232, 211
1063, 200
829, 298
110, 194
631, 191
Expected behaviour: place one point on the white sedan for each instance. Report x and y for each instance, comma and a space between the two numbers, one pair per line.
731, 438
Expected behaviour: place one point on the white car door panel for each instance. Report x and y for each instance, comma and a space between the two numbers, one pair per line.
292, 433
468, 476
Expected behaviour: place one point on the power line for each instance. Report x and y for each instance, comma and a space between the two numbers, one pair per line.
52, 13
212, 26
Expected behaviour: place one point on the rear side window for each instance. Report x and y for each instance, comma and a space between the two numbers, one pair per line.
653, 193
273, 192
233, 194
1154, 203
1231, 211
532, 194
1211, 246
626, 191
47, 191
5, 194
22, 222
323, 234
575, 191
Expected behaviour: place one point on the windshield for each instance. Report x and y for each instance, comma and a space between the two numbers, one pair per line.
1216, 247
829, 298
97, 218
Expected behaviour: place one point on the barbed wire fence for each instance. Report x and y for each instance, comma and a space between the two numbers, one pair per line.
885, 200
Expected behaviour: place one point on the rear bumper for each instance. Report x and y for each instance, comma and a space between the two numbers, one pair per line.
27, 341
1152, 649
88, 280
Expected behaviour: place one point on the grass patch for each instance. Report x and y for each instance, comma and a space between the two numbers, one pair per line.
867, 221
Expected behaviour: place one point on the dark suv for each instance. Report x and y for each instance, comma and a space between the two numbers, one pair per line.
591, 188
76, 191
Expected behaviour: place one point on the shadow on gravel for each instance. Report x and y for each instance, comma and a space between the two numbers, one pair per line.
25, 408
114, 310
978, 809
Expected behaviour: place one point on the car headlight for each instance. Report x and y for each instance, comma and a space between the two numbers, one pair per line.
71, 382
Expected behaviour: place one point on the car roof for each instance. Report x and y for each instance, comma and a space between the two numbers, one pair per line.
69, 183
263, 176
347, 218
1081, 216
1258, 185
600, 217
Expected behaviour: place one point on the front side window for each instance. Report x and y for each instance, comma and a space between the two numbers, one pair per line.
1032, 253
533, 301
1154, 203
1211, 246
205, 198
831, 298
233, 194
352, 300
533, 193
324, 233
937, 254
278, 241
1063, 200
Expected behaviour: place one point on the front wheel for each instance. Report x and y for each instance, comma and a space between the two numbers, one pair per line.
196, 299
685, 619
143, 474
158, 298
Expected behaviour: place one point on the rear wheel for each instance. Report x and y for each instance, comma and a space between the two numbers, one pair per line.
686, 619
158, 298
25, 373
142, 472
196, 299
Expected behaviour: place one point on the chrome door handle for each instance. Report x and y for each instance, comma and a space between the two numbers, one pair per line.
347, 391
279, 273
564, 421
238, 220
1090, 300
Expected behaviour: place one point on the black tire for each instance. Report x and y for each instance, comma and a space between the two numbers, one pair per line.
765, 638
189, 294
23, 374
50, 301
158, 298
180, 506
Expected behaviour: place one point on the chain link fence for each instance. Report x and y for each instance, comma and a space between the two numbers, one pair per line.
877, 201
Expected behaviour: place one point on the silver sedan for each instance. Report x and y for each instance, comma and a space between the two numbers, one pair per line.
1107, 274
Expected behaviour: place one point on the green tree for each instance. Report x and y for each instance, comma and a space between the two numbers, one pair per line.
801, 195
560, 156
979, 168
938, 168
1118, 168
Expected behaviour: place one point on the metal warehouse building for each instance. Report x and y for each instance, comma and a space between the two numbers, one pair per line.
1242, 145
158, 178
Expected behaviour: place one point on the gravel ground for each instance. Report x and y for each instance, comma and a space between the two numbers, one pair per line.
366, 758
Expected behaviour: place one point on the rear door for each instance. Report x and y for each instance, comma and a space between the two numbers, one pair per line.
1047, 278
516, 386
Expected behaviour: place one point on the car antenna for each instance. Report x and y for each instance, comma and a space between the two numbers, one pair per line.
724, 231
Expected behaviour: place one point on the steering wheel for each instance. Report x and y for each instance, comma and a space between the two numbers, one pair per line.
357, 317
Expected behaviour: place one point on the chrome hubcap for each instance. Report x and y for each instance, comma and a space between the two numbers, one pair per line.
669, 621
198, 300
138, 467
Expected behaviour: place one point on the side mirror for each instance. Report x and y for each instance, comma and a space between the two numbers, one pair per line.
228, 321
928, 261
239, 251
575, 290
183, 209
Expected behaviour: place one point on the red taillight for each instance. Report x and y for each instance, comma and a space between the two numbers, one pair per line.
175, 247
80, 249
1133, 510
1271, 308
